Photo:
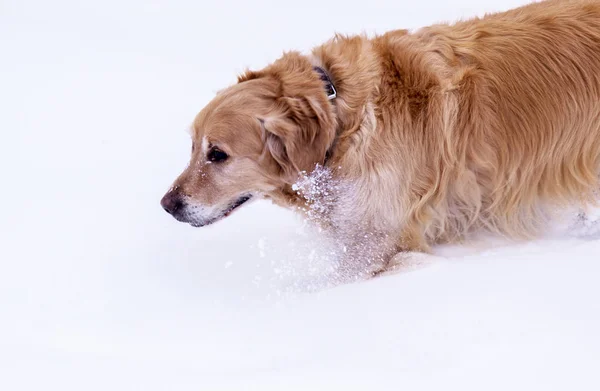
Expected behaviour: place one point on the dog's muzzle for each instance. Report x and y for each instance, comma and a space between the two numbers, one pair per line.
179, 206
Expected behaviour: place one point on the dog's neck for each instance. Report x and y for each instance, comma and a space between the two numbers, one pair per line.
354, 75
331, 92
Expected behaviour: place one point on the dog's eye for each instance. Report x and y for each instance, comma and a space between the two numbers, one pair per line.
216, 155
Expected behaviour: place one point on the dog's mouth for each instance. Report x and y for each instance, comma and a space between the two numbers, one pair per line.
239, 202
234, 205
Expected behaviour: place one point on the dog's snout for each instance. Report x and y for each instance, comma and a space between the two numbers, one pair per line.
172, 201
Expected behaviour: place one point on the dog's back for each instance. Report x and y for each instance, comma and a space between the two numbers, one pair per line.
522, 90
531, 109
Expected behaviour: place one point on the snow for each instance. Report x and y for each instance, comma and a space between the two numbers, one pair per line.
102, 290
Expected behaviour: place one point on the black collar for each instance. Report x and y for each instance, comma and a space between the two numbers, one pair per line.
329, 87
331, 94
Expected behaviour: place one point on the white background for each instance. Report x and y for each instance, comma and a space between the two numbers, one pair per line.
102, 290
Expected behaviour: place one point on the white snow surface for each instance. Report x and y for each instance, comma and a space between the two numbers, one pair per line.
102, 290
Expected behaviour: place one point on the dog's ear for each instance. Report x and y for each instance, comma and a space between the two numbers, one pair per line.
299, 139
274, 133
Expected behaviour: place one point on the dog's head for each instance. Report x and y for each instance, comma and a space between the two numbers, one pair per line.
252, 140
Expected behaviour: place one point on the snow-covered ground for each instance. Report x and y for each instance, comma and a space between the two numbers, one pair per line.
102, 290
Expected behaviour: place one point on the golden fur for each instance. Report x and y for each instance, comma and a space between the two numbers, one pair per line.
489, 123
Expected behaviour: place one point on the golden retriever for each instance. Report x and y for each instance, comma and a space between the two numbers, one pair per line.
487, 124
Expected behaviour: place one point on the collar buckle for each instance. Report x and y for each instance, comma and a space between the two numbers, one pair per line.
329, 87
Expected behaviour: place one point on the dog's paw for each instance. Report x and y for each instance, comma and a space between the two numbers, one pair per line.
407, 261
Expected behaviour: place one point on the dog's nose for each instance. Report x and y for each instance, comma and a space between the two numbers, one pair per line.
172, 201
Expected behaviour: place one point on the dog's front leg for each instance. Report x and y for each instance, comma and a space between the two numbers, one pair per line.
407, 261
412, 253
